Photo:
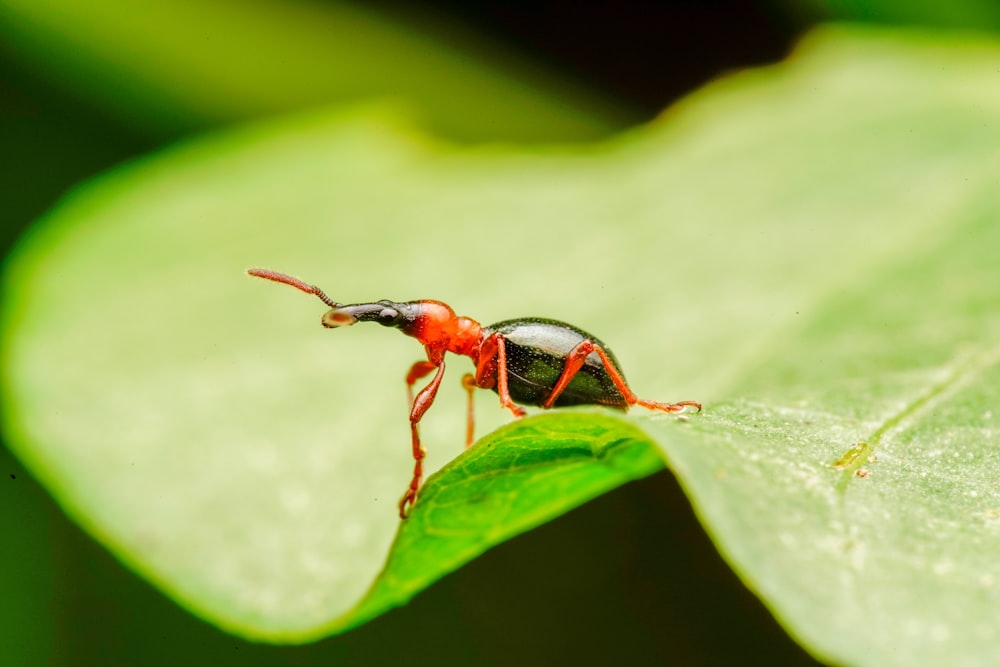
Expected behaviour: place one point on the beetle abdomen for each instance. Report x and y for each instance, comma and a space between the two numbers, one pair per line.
536, 355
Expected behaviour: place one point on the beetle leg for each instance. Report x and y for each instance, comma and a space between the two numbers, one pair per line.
502, 389
668, 407
417, 371
486, 365
469, 382
574, 362
631, 398
420, 405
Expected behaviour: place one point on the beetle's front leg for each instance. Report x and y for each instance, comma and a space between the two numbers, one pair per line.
418, 370
419, 405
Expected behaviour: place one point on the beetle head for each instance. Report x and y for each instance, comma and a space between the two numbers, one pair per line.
387, 313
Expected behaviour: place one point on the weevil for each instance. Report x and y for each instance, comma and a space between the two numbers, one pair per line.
531, 361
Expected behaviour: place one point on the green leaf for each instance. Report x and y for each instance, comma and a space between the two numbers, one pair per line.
807, 249
858, 491
514, 479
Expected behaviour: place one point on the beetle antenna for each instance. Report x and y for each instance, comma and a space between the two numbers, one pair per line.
277, 277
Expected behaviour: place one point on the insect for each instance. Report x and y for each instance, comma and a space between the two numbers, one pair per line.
533, 361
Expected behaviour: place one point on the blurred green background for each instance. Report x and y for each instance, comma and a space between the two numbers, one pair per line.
85, 86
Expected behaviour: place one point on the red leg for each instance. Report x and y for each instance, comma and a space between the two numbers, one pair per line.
502, 389
574, 362
469, 382
419, 406
418, 370
491, 371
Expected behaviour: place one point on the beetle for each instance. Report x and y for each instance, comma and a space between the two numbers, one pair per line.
532, 361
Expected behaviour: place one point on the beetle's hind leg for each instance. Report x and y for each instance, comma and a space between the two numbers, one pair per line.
668, 407
574, 362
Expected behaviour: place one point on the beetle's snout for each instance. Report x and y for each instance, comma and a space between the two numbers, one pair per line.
337, 318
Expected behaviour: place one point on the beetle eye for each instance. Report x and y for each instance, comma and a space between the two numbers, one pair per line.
387, 317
